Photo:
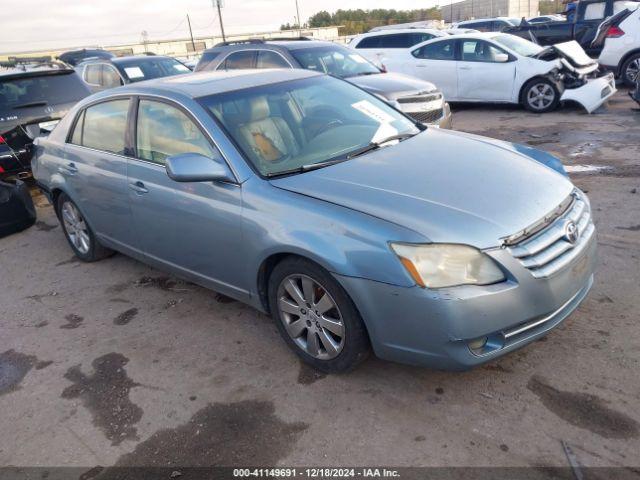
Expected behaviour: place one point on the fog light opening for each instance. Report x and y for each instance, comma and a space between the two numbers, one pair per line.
483, 345
478, 344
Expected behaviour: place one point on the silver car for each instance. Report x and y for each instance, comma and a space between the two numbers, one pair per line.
308, 198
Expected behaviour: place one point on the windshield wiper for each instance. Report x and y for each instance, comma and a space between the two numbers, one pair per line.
30, 104
376, 145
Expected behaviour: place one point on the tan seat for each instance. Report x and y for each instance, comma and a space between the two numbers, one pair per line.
268, 137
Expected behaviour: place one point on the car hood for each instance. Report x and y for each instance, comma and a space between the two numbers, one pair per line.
572, 52
447, 186
392, 85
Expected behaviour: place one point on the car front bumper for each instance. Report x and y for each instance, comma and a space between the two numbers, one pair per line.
433, 327
593, 93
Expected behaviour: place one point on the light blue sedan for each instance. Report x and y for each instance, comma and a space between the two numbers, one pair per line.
308, 198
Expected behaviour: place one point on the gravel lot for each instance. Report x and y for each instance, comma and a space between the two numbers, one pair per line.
114, 363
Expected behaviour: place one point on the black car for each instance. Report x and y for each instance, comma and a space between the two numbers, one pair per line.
32, 100
100, 74
75, 57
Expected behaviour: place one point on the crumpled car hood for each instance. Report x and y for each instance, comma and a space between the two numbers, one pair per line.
448, 186
392, 85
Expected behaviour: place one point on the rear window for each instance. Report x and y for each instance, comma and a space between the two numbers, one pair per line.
147, 68
42, 90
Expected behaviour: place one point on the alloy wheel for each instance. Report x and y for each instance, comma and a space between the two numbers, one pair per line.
540, 96
76, 228
632, 71
311, 317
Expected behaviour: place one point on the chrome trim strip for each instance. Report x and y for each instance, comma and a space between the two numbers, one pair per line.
518, 330
565, 259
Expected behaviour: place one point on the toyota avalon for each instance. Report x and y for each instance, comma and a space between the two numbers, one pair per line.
308, 198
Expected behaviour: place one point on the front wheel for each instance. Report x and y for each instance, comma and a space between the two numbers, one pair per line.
316, 317
79, 235
540, 95
630, 70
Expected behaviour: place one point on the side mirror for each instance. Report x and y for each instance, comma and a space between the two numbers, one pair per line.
501, 57
194, 167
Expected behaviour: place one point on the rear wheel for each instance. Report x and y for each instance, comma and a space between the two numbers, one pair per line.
316, 317
540, 95
630, 70
79, 235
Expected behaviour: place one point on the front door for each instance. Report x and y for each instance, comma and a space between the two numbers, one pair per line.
193, 228
435, 62
485, 72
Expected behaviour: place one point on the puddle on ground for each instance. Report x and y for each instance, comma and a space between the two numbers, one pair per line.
14, 366
584, 411
106, 395
242, 433
73, 321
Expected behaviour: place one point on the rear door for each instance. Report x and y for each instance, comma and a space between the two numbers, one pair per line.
95, 168
485, 72
192, 227
436, 62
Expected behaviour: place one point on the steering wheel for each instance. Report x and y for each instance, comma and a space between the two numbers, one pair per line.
329, 125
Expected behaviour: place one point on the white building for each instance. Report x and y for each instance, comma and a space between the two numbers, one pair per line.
470, 9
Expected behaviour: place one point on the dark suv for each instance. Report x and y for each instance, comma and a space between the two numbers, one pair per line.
416, 98
32, 100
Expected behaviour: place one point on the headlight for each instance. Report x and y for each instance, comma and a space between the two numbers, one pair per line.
441, 265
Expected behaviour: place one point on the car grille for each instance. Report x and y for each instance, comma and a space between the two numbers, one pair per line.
420, 98
426, 117
550, 249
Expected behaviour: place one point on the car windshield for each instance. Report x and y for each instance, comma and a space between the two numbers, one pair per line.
46, 89
294, 125
337, 61
519, 45
148, 67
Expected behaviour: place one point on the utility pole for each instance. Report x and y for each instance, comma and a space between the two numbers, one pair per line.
193, 45
218, 5
299, 21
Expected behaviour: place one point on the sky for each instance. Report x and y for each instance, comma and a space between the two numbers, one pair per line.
50, 24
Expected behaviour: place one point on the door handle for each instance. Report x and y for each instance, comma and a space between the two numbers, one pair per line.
138, 187
465, 68
70, 169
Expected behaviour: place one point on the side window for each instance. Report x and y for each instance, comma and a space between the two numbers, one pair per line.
481, 51
480, 26
269, 59
444, 50
110, 77
594, 11
397, 40
164, 130
104, 126
76, 138
420, 37
238, 60
92, 74
370, 42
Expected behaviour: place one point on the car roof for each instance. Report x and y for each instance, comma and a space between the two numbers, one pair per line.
33, 71
122, 60
398, 30
279, 44
205, 83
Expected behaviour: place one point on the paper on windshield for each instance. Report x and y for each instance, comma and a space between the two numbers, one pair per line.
383, 118
134, 72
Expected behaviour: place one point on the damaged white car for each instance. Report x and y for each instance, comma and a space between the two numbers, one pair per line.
503, 68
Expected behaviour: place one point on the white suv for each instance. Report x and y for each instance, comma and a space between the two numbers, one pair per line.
621, 51
385, 43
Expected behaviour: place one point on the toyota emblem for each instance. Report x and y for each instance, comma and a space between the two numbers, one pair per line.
571, 232
48, 110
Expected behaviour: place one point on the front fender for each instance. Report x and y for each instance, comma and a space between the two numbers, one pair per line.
343, 241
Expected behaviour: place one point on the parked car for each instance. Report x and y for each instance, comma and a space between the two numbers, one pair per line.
419, 99
546, 19
589, 14
311, 199
385, 43
75, 57
496, 24
101, 74
619, 37
503, 68
32, 100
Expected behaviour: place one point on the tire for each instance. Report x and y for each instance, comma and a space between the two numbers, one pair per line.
630, 69
81, 238
330, 336
540, 95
